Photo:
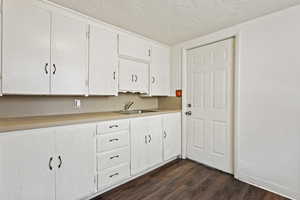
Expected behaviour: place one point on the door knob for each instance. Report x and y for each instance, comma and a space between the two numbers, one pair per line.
189, 113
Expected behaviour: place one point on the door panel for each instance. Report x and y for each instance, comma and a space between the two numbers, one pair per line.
24, 165
210, 92
172, 135
155, 145
76, 161
103, 62
160, 71
26, 48
69, 56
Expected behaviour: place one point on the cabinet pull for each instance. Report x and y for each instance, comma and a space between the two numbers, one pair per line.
117, 156
136, 78
114, 75
153, 79
132, 78
150, 138
149, 52
46, 68
114, 126
165, 134
146, 141
116, 174
60, 162
54, 67
115, 139
50, 163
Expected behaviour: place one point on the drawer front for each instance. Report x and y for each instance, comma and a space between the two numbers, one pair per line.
113, 158
112, 141
112, 126
112, 176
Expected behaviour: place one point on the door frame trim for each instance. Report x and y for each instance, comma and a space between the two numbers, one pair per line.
206, 41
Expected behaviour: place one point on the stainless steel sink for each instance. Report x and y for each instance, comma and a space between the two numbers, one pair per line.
128, 112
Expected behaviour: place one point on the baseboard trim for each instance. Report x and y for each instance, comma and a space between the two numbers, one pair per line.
271, 187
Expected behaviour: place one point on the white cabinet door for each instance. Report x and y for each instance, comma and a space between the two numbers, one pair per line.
139, 148
69, 56
26, 48
133, 76
172, 135
25, 167
76, 161
160, 71
103, 62
133, 47
155, 145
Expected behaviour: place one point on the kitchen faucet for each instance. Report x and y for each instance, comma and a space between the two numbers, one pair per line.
128, 105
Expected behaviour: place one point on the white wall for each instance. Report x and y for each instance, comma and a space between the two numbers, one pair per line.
268, 100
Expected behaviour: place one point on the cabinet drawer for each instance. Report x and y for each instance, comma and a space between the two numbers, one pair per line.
112, 126
112, 176
112, 141
113, 158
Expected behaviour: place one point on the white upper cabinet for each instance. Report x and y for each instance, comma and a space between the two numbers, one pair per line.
103, 62
69, 56
160, 71
27, 167
26, 48
133, 47
172, 135
133, 76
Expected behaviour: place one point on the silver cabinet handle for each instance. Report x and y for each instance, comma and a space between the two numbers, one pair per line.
146, 141
165, 134
112, 140
116, 174
50, 163
54, 67
136, 78
46, 68
114, 75
60, 162
153, 79
150, 138
132, 78
114, 126
113, 157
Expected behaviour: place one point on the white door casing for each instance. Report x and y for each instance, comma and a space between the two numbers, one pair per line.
210, 93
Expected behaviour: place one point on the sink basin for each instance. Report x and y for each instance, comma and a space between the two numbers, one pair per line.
128, 112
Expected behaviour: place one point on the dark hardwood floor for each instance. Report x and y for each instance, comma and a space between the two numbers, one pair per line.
187, 180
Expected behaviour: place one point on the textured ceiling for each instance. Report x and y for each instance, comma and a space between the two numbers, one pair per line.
174, 21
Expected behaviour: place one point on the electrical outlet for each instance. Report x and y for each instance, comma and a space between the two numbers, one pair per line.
77, 103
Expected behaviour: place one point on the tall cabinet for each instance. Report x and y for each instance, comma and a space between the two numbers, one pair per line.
103, 61
45, 53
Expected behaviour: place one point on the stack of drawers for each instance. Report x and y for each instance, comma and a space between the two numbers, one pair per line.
113, 153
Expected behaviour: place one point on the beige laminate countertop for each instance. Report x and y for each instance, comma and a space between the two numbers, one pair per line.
25, 123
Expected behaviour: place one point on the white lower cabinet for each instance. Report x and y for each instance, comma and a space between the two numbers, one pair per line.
172, 135
146, 143
113, 153
52, 163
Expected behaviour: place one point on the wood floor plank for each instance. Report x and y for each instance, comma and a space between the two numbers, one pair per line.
187, 180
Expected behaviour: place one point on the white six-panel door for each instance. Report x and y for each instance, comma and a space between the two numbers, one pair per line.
210, 93
103, 62
26, 48
27, 165
69, 56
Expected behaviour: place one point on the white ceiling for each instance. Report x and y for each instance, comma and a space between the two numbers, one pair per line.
174, 21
